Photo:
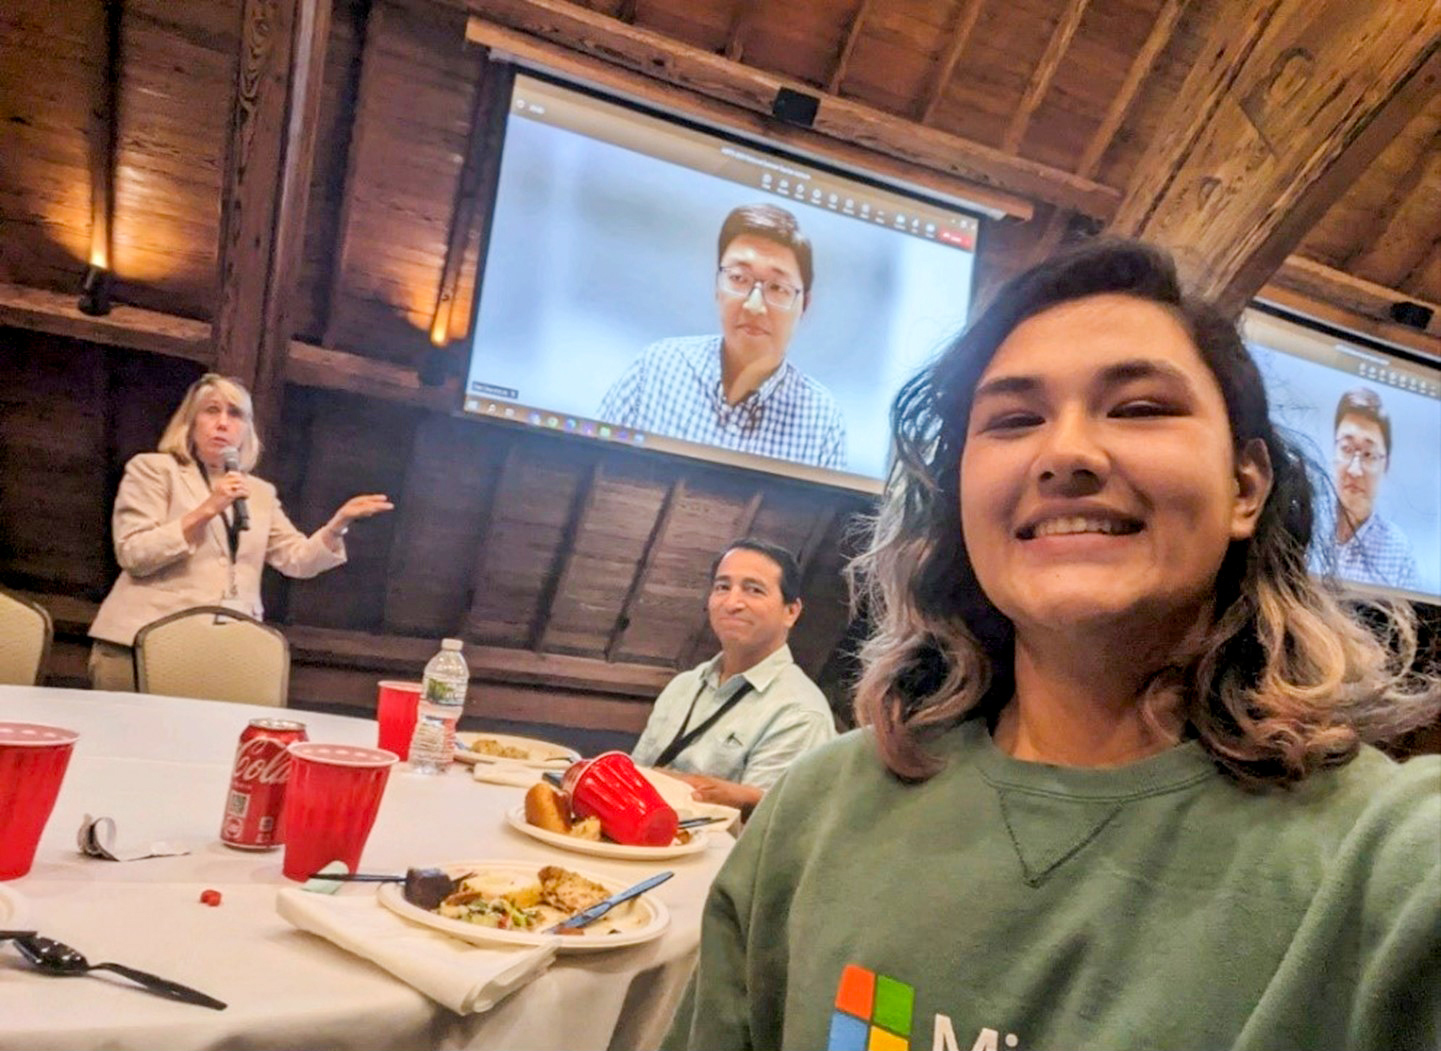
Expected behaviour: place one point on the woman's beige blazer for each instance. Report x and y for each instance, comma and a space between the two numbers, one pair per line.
161, 573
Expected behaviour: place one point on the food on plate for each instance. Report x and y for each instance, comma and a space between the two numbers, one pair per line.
549, 809
510, 902
210, 897
427, 888
586, 828
490, 746
546, 808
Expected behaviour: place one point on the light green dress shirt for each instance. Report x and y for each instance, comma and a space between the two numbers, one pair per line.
783, 716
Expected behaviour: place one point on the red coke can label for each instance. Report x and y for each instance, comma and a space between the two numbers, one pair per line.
256, 801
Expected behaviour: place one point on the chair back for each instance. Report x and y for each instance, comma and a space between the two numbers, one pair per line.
25, 634
215, 654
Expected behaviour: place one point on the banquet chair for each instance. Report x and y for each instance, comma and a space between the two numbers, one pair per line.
25, 634
215, 654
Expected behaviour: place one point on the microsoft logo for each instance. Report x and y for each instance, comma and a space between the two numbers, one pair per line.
873, 1012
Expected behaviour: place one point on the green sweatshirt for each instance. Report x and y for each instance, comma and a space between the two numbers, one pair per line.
1013, 905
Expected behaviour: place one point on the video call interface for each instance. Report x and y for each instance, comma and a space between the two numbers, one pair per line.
1370, 423
603, 310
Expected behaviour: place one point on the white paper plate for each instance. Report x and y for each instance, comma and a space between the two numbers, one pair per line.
14, 910
680, 796
545, 755
646, 916
515, 817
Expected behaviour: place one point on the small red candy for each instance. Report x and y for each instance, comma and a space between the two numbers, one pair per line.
210, 897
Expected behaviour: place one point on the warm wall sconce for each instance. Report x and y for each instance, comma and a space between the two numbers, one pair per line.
95, 292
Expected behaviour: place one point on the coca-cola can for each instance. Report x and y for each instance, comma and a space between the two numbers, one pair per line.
256, 801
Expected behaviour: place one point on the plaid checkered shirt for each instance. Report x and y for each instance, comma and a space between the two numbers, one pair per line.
674, 388
1377, 553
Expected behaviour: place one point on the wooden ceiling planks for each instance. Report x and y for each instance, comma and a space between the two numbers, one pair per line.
170, 152
448, 487
626, 505
47, 80
335, 125
414, 104
836, 78
1296, 99
53, 442
352, 445
525, 537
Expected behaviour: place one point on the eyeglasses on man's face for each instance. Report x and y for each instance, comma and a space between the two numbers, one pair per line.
1371, 460
739, 282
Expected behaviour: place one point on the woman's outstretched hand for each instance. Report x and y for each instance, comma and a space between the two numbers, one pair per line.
361, 507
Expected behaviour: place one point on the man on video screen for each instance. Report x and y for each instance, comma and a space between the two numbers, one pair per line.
1368, 549
736, 390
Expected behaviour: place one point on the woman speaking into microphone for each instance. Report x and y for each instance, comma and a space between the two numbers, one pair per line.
193, 528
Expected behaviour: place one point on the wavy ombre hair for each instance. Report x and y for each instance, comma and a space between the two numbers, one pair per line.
176, 440
1282, 681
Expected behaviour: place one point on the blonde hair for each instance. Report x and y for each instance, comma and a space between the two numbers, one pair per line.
1282, 681
176, 440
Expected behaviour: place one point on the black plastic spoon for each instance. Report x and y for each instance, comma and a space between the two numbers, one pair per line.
57, 958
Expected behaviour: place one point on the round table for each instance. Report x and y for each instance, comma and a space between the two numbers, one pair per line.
160, 766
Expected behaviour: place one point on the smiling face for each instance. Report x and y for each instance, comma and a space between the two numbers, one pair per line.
1098, 481
218, 424
1360, 460
753, 329
747, 609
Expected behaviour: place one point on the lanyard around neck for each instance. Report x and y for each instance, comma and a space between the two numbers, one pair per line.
685, 738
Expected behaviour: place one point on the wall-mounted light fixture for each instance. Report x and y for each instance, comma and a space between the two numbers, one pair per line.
95, 292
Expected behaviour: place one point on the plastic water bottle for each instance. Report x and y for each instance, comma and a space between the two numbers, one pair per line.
442, 699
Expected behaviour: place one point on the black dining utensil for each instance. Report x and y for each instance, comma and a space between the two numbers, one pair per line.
57, 958
425, 888
698, 822
6, 936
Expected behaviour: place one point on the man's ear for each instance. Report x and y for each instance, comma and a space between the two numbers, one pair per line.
1254, 478
793, 612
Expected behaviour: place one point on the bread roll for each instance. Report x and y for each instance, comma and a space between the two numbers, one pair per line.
546, 808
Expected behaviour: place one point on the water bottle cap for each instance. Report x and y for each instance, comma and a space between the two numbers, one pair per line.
450, 644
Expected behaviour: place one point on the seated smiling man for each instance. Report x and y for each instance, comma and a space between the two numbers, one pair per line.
730, 726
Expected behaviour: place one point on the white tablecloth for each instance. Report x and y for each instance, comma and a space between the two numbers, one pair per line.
160, 767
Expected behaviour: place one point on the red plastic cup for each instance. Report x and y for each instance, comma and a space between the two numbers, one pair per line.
331, 804
33, 759
630, 810
395, 709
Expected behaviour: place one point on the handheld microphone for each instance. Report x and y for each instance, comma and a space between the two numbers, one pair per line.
231, 459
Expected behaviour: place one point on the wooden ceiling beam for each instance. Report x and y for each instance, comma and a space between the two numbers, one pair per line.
41, 310
960, 37
690, 653
306, 365
478, 174
742, 18
484, 529
366, 86
848, 47
102, 137
1334, 297
561, 571
553, 34
1044, 73
1156, 40
1410, 223
274, 117
1292, 101
400, 653
643, 570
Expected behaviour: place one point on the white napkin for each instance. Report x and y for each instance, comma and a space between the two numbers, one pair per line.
97, 838
506, 774
466, 978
